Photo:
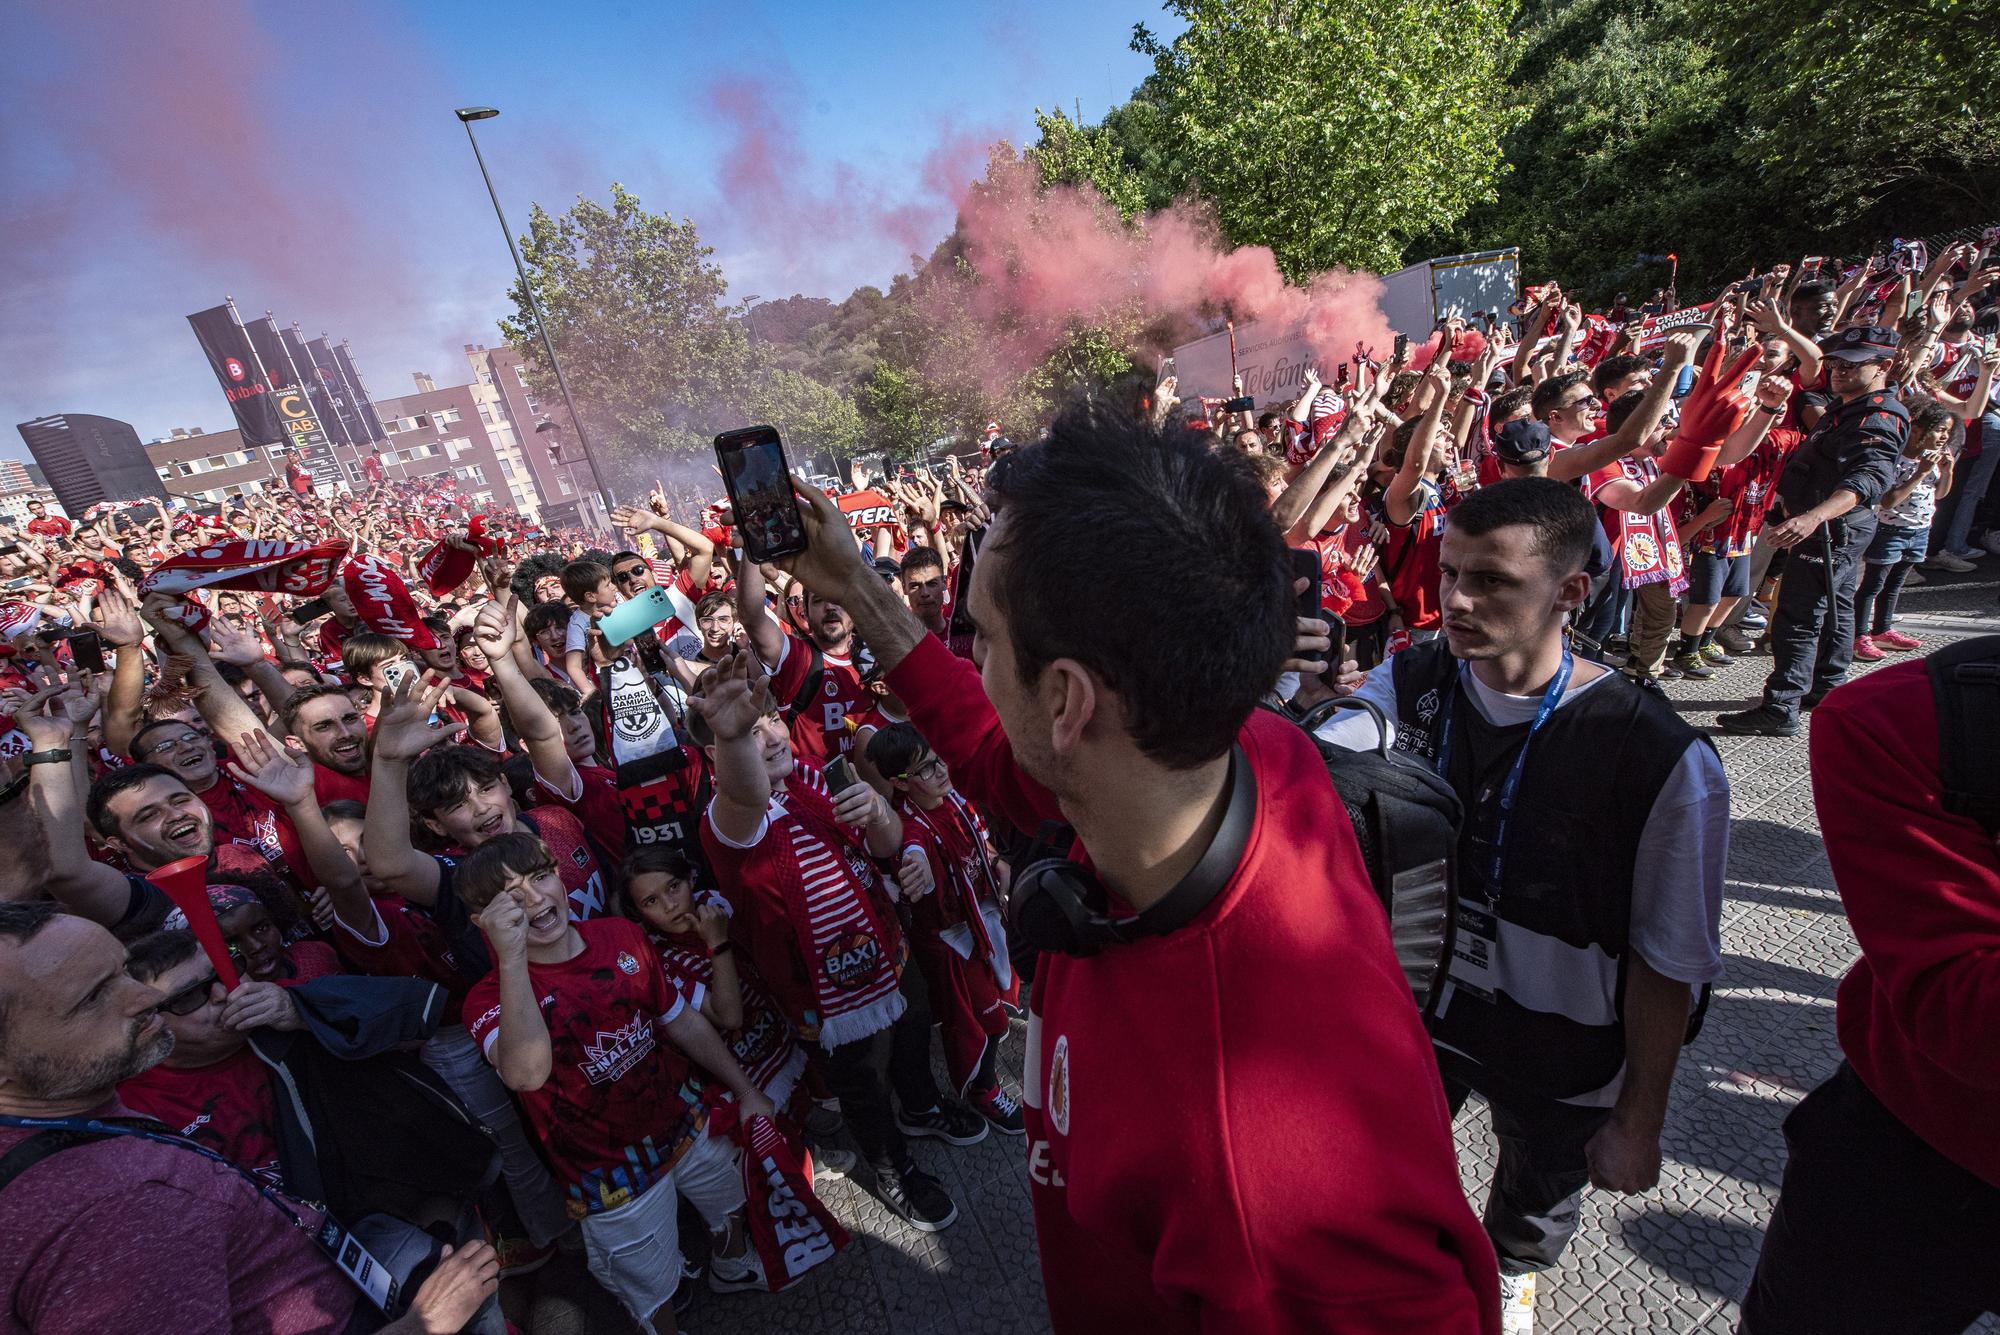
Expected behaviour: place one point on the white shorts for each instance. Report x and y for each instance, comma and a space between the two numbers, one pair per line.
635, 1250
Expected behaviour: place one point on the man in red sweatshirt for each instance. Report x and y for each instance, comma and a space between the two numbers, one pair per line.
1234, 1121
1889, 1218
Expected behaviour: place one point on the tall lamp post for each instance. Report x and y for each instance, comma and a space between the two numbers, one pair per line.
466, 116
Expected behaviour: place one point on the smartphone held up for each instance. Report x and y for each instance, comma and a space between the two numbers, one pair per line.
759, 482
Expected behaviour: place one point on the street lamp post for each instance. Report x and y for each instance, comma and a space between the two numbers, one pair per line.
466, 116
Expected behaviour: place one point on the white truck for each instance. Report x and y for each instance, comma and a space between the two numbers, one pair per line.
1272, 360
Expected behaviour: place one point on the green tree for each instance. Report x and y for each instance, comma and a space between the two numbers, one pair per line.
1072, 154
905, 411
811, 416
1335, 132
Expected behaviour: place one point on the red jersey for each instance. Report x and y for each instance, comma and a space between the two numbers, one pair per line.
612, 1115
596, 806
410, 943
1752, 483
330, 785
765, 1046
50, 526
1324, 1194
819, 730
1410, 561
1337, 548
1921, 888
246, 817
227, 1106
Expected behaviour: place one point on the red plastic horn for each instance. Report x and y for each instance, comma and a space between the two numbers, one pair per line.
186, 883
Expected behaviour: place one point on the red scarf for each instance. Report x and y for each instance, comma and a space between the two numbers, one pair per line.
255, 565
791, 1230
852, 946
445, 567
383, 602
969, 876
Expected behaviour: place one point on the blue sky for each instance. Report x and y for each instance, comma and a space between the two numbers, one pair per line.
304, 159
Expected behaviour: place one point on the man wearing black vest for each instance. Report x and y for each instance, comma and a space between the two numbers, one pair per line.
1591, 868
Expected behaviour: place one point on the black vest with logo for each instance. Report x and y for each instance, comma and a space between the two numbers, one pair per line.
1591, 779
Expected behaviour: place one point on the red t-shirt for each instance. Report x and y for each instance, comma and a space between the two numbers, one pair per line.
820, 731
50, 526
764, 1045
1751, 482
1274, 1032
411, 944
1339, 545
103, 1228
1918, 1011
228, 1106
246, 817
597, 806
330, 785
1410, 562
582, 877
612, 1115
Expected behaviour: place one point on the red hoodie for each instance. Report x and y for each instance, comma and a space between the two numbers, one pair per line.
1238, 1126
1919, 1012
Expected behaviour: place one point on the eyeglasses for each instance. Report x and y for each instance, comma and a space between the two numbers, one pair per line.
185, 739
932, 768
191, 998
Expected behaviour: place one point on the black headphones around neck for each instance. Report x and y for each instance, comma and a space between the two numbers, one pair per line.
1059, 906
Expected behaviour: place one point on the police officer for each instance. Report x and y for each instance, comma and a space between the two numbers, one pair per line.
1828, 493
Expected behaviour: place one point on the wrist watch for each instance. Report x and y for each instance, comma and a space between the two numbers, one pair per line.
722, 949
54, 756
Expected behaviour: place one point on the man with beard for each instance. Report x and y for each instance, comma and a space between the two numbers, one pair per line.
116, 1220
329, 726
816, 681
1591, 860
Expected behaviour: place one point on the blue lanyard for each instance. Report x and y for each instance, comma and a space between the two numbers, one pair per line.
1551, 697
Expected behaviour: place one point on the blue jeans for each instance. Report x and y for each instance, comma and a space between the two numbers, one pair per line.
460, 1064
1956, 510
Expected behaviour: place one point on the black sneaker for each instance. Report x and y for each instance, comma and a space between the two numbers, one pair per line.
917, 1197
1001, 1110
1763, 721
953, 1123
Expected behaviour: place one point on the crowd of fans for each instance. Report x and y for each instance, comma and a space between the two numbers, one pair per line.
371, 897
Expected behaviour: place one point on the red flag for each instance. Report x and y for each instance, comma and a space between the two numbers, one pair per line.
445, 567
255, 565
383, 602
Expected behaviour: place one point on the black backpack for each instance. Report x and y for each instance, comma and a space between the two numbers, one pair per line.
1406, 819
1965, 681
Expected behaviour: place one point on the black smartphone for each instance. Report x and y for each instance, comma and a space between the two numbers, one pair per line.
960, 631
309, 611
1245, 404
1338, 653
759, 482
1402, 346
8, 549
1305, 565
840, 775
86, 649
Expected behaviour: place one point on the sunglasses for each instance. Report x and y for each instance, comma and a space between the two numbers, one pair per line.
191, 998
1590, 401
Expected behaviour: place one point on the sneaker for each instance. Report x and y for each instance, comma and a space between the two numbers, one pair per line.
1951, 561
1895, 639
1912, 576
1517, 1304
916, 1196
734, 1274
1693, 666
1865, 650
832, 1160
1762, 721
953, 1123
1992, 542
519, 1256
1646, 683
1001, 1111
1757, 618
684, 1291
1732, 639
1715, 655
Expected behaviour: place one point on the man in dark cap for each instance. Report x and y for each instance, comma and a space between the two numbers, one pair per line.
1827, 494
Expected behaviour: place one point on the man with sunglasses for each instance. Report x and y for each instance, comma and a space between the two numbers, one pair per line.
1828, 493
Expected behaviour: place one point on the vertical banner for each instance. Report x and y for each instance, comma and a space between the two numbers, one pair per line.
356, 394
317, 390
344, 409
234, 361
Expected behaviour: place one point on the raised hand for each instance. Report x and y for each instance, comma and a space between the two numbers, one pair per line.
233, 644
632, 519
284, 776
733, 696
403, 727
495, 628
118, 615
505, 923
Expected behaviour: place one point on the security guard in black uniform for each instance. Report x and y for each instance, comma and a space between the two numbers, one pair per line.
1827, 496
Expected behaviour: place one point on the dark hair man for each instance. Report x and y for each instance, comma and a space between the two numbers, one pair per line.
1828, 491
1126, 706
1591, 868
923, 576
1893, 1165
105, 1225
325, 721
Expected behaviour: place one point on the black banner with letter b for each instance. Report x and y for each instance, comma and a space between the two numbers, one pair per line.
235, 365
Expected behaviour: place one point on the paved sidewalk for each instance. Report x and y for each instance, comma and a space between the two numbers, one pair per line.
1675, 1260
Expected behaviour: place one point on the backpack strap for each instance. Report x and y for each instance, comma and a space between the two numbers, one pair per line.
810, 686
1965, 682
54, 1141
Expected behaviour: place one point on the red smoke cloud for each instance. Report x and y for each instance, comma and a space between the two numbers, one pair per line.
1051, 259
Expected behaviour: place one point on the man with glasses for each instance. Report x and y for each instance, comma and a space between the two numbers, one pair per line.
239, 813
1827, 493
